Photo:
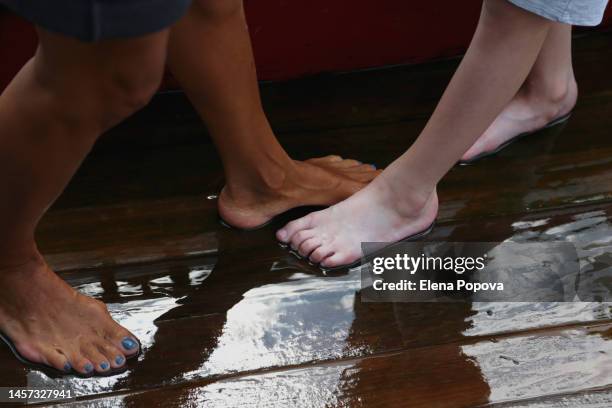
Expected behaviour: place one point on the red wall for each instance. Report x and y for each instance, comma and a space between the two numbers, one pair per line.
293, 38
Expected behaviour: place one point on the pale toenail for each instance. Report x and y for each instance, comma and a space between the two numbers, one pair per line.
282, 235
88, 368
104, 365
129, 343
119, 360
67, 367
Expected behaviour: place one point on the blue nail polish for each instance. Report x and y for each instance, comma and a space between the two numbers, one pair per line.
67, 367
88, 368
129, 343
104, 365
119, 360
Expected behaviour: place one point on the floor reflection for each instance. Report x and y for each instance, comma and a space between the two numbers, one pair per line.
259, 308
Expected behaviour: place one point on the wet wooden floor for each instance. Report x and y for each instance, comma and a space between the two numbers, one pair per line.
229, 319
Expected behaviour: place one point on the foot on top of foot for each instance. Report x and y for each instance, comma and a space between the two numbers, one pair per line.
320, 181
52, 324
531, 109
333, 237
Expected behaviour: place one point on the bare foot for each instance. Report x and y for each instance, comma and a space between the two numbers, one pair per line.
52, 324
321, 181
530, 110
333, 237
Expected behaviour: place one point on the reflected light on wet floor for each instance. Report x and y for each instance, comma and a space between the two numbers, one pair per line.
283, 314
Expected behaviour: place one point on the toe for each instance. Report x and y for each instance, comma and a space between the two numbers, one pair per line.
338, 259
366, 175
119, 337
125, 341
56, 359
301, 236
332, 158
99, 361
81, 364
118, 361
320, 254
309, 245
348, 163
362, 168
286, 233
113, 355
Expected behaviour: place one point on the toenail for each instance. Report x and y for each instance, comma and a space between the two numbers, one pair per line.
67, 367
119, 360
104, 365
88, 368
282, 234
129, 343
373, 166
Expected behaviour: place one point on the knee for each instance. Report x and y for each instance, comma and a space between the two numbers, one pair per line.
218, 9
99, 101
125, 92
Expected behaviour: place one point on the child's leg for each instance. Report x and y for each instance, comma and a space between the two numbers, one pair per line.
51, 114
549, 92
402, 200
210, 54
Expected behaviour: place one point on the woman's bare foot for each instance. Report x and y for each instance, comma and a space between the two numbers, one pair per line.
52, 324
321, 181
531, 109
378, 213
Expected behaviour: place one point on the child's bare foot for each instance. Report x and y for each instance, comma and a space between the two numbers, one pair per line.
321, 181
378, 213
52, 324
531, 109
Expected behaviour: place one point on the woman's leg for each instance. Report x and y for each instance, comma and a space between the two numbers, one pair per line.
402, 200
210, 54
549, 92
51, 115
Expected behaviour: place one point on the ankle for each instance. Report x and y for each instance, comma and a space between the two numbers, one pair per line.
17, 256
408, 200
257, 183
554, 91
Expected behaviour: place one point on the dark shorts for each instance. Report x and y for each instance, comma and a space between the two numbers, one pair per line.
94, 20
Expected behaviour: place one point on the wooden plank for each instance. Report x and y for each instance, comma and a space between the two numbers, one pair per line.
452, 375
562, 166
253, 307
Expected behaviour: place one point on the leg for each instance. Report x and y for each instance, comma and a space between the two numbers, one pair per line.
549, 92
403, 201
210, 54
51, 114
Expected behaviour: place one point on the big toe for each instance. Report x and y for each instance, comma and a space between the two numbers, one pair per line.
126, 342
